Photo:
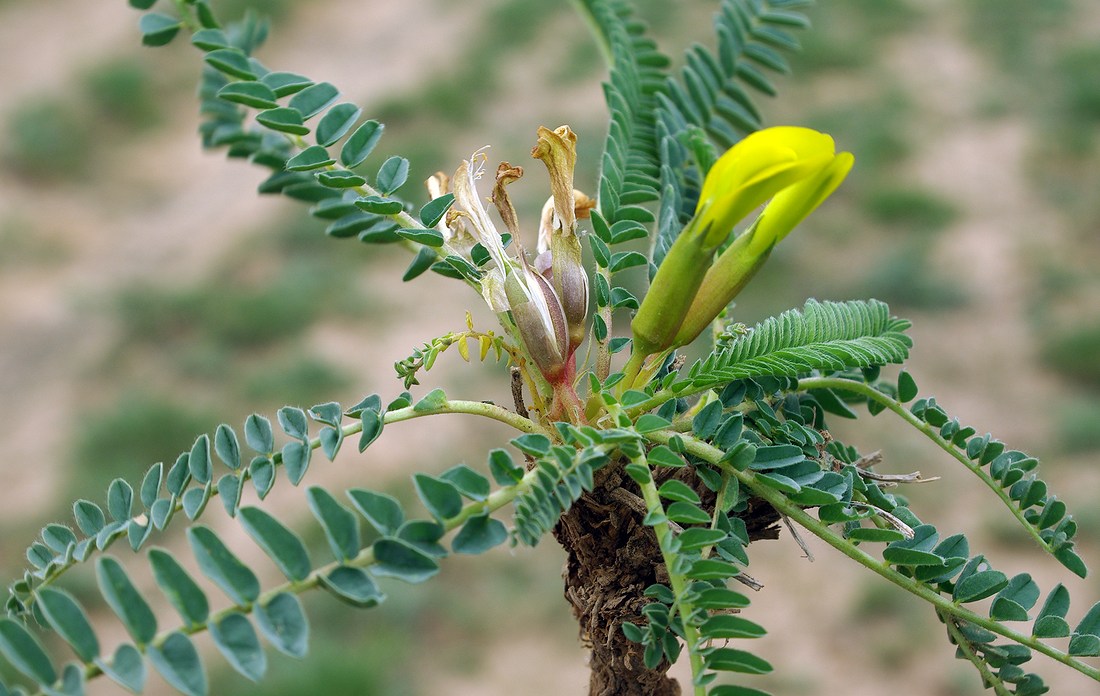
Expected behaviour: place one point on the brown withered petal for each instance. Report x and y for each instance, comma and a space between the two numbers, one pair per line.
467, 200
456, 235
583, 204
439, 184
506, 174
558, 151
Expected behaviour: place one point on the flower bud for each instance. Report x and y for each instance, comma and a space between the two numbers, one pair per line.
539, 316
729, 274
671, 292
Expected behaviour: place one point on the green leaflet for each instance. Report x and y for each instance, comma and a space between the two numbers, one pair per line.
179, 663
822, 336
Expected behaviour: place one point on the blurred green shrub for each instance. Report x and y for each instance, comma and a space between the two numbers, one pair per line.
232, 314
48, 139
1009, 29
275, 10
367, 664
875, 129
905, 278
1078, 424
120, 439
26, 245
123, 94
56, 137
1080, 84
1074, 352
847, 35
909, 209
303, 381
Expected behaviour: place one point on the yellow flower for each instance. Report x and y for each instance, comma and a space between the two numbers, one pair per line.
755, 169
795, 167
737, 265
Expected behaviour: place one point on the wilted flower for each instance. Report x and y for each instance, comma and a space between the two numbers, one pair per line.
548, 309
558, 151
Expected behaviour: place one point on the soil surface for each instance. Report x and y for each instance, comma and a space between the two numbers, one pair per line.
160, 209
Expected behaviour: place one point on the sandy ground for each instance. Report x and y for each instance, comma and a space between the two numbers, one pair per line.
191, 212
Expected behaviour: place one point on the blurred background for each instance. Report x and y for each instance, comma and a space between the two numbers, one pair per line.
147, 293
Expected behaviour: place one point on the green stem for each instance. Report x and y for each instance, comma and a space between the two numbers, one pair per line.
640, 370
631, 370
659, 397
476, 408
932, 434
473, 408
566, 405
821, 530
676, 580
186, 14
720, 502
603, 348
402, 218
496, 500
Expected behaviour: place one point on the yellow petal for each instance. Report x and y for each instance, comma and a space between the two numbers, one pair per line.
791, 205
754, 170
